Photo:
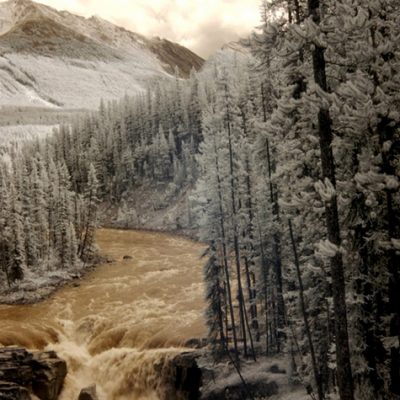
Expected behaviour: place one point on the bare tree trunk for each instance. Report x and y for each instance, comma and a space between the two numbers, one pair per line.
226, 309
304, 311
225, 256
242, 308
276, 245
253, 353
250, 276
386, 133
250, 283
387, 130
276, 239
219, 304
264, 277
344, 372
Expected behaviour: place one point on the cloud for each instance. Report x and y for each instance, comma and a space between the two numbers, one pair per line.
201, 25
209, 36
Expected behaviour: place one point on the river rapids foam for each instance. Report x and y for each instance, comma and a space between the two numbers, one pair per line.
125, 322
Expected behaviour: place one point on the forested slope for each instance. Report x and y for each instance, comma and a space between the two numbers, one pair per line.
289, 162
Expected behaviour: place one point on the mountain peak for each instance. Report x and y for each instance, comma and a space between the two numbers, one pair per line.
14, 14
20, 2
40, 46
14, 11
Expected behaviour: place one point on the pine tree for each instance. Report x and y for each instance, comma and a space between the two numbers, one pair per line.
91, 217
213, 276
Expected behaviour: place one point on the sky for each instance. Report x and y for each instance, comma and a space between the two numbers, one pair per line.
201, 25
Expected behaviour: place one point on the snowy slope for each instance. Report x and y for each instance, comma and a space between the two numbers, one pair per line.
56, 59
23, 133
27, 80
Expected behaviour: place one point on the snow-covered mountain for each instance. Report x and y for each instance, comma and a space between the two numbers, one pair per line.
51, 58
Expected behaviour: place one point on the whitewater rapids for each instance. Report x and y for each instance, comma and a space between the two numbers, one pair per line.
124, 321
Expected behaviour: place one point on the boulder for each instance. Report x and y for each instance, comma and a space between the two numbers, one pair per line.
15, 366
257, 389
276, 369
49, 373
184, 382
128, 258
88, 393
22, 372
187, 376
196, 343
13, 391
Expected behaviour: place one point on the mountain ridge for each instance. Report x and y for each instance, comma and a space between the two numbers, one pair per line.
108, 61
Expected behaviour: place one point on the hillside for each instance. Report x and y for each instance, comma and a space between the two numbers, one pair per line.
60, 60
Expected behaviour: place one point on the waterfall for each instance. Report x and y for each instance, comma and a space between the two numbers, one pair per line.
125, 322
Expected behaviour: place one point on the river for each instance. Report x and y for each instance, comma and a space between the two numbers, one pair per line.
124, 320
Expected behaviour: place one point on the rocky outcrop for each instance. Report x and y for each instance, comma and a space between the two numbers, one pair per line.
174, 56
255, 381
88, 393
49, 373
196, 343
187, 380
22, 373
12, 391
184, 379
252, 390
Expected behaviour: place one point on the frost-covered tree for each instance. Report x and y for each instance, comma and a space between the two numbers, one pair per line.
90, 220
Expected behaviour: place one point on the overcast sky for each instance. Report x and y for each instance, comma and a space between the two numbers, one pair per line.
201, 25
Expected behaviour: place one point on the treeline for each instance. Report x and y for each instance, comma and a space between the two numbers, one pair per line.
146, 140
294, 156
50, 190
299, 197
45, 226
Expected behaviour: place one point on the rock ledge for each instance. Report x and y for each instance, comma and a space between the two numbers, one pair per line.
23, 373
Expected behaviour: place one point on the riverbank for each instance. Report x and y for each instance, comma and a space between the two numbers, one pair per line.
185, 376
122, 323
34, 289
130, 327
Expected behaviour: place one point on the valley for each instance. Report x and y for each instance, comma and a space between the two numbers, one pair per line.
279, 154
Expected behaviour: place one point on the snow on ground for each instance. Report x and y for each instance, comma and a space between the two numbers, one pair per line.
265, 370
51, 58
20, 133
37, 288
298, 394
28, 80
34, 289
84, 61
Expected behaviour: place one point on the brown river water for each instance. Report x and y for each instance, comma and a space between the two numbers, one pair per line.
126, 319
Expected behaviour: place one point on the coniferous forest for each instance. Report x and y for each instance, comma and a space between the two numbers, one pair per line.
292, 159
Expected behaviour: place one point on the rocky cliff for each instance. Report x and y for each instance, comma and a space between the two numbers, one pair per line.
23, 374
